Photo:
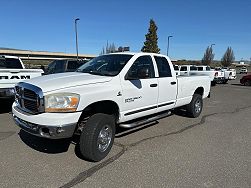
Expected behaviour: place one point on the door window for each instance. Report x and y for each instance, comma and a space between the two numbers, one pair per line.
142, 68
183, 68
163, 66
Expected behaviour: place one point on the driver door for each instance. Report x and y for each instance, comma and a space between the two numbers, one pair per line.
139, 89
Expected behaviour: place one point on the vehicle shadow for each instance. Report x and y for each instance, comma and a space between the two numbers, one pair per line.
5, 105
45, 145
181, 112
62, 145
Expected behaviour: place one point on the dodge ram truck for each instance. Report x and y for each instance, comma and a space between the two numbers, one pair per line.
12, 71
118, 89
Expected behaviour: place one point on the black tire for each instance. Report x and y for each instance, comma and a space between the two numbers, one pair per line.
213, 83
194, 108
97, 137
225, 81
247, 83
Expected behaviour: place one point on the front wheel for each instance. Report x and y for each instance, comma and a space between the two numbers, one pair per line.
194, 108
97, 137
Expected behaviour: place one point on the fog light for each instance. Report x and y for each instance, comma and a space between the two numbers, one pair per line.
59, 130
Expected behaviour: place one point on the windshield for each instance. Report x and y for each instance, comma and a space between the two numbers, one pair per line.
105, 65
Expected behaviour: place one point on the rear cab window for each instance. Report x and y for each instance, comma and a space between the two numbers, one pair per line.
193, 68
183, 68
200, 68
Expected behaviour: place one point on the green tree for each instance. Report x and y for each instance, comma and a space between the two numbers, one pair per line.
208, 56
151, 43
228, 58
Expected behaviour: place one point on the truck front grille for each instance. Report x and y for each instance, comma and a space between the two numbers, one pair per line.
29, 98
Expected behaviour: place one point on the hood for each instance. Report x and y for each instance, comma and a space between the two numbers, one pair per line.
65, 80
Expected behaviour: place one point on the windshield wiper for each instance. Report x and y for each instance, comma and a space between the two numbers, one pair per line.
99, 73
94, 72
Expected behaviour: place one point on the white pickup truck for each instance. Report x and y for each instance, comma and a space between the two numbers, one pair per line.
120, 89
222, 75
230, 74
12, 71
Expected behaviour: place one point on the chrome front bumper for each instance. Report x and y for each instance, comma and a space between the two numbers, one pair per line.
47, 125
52, 132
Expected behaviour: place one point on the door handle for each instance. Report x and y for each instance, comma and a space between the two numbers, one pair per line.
153, 85
173, 83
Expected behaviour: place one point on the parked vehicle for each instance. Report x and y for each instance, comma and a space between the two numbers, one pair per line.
219, 76
119, 89
243, 70
246, 80
230, 74
64, 65
176, 69
12, 71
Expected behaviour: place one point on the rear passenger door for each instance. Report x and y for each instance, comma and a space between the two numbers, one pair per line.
167, 85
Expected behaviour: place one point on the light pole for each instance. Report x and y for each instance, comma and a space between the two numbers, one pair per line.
211, 49
76, 32
168, 38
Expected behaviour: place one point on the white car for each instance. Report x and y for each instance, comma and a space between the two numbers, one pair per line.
131, 89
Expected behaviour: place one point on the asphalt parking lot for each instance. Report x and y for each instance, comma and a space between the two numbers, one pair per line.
210, 151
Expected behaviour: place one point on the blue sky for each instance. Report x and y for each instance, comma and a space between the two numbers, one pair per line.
48, 25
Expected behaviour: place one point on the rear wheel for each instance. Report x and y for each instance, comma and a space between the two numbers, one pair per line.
97, 137
194, 108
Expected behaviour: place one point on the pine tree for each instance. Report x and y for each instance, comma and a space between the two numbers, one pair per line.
228, 58
151, 43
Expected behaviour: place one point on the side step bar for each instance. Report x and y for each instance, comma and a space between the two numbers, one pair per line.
145, 121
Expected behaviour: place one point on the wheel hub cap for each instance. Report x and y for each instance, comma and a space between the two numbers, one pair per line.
104, 138
197, 106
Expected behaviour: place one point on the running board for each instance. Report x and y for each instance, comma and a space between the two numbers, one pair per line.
145, 121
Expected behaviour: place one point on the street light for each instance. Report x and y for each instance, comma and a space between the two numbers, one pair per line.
168, 38
76, 32
212, 45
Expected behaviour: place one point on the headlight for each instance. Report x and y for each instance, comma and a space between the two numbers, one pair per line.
61, 102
